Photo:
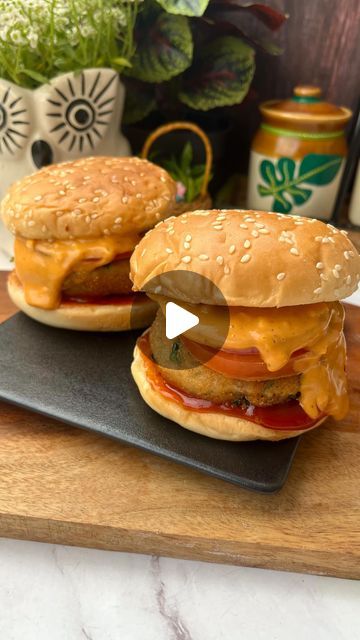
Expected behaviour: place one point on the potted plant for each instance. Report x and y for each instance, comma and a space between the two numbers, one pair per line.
60, 93
192, 57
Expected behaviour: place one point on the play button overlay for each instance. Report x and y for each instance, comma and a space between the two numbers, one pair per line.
193, 320
178, 320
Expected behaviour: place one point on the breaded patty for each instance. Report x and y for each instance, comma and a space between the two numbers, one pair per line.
199, 381
111, 279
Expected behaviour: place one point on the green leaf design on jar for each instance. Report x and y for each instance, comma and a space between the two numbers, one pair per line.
282, 183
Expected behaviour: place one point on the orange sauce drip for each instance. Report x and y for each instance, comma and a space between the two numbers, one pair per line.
43, 266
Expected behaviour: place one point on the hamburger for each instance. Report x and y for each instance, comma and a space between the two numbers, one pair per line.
281, 369
75, 226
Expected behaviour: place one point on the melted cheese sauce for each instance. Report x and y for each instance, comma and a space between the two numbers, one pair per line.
277, 334
43, 266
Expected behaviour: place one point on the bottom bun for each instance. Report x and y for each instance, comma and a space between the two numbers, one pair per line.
211, 424
86, 317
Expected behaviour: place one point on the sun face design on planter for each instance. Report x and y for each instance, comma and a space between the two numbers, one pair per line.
14, 122
74, 115
79, 110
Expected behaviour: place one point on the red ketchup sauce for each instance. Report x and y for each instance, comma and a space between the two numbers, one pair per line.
287, 416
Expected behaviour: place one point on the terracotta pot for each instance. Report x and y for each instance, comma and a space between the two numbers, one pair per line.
298, 155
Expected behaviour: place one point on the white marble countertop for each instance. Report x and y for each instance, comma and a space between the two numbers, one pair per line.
49, 592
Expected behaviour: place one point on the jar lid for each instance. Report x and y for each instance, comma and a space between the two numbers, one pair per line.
306, 106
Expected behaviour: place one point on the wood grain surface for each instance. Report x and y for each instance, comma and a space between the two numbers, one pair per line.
63, 485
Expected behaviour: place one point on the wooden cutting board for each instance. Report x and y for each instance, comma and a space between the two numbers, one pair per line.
63, 485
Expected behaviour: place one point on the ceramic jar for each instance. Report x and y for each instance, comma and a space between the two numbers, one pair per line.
298, 155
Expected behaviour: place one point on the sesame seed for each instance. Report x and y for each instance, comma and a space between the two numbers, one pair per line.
244, 226
317, 291
62, 193
133, 182
336, 273
318, 238
255, 233
345, 233
330, 239
281, 276
88, 219
31, 223
203, 256
259, 225
106, 232
163, 179
118, 220
168, 250
232, 249
138, 196
249, 219
298, 222
338, 267
143, 252
218, 226
38, 198
171, 232
81, 200
325, 240
96, 199
294, 251
264, 231
188, 237
95, 215
226, 270
245, 258
247, 244
323, 276
347, 255
187, 245
348, 279
319, 265
186, 259
220, 260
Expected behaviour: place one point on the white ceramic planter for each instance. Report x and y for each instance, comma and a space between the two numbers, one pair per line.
74, 115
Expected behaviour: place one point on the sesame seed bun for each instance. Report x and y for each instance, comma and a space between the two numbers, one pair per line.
86, 317
211, 424
89, 198
255, 258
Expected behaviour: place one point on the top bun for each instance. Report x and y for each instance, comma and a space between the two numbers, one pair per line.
89, 198
256, 259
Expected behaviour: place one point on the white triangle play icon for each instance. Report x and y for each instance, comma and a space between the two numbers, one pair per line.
178, 320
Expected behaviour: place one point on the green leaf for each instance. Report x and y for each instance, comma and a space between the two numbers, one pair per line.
139, 102
34, 75
186, 157
221, 76
184, 7
165, 48
119, 63
319, 168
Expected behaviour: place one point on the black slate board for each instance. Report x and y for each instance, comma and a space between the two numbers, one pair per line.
84, 380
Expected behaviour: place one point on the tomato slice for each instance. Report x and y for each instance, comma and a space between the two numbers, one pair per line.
288, 416
242, 365
128, 299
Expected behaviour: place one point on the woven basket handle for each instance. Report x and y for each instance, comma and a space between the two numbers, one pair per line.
173, 126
